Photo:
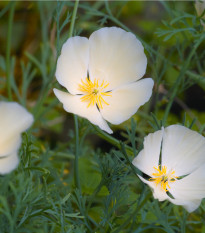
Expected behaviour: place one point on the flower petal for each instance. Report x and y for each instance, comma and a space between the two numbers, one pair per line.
72, 65
190, 189
189, 205
73, 104
125, 101
148, 158
14, 119
9, 163
183, 149
158, 192
116, 56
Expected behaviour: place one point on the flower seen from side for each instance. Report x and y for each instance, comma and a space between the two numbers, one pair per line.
14, 119
102, 75
174, 159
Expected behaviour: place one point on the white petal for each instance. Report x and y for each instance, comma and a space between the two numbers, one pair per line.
148, 158
10, 145
9, 163
125, 101
14, 119
183, 150
73, 104
72, 64
116, 56
158, 192
189, 205
191, 187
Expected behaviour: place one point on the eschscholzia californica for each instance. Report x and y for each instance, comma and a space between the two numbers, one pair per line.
174, 159
102, 76
14, 119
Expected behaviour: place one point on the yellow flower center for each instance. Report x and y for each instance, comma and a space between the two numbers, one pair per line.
163, 178
94, 92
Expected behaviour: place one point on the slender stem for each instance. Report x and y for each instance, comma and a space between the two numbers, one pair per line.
76, 168
197, 78
73, 18
8, 50
58, 28
76, 172
111, 139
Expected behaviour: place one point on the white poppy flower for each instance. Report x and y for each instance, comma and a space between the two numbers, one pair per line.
14, 120
102, 76
181, 171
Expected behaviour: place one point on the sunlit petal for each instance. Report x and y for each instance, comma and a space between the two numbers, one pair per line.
73, 104
124, 102
183, 149
72, 64
148, 158
116, 56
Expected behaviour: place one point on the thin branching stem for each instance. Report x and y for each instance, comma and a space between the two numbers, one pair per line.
73, 18
76, 168
8, 49
112, 140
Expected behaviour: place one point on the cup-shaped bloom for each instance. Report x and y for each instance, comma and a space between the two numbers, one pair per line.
14, 119
102, 75
174, 159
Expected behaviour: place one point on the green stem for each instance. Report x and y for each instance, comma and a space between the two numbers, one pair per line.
197, 78
73, 18
112, 140
8, 50
76, 172
76, 167
181, 75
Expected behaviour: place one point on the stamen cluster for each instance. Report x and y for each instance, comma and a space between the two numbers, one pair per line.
163, 178
94, 92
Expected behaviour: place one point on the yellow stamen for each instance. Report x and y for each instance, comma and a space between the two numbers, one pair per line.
94, 92
163, 178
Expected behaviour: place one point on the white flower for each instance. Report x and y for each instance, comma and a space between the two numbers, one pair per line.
200, 7
14, 119
100, 74
182, 170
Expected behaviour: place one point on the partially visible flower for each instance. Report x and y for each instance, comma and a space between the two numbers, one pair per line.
14, 120
102, 76
200, 7
174, 159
